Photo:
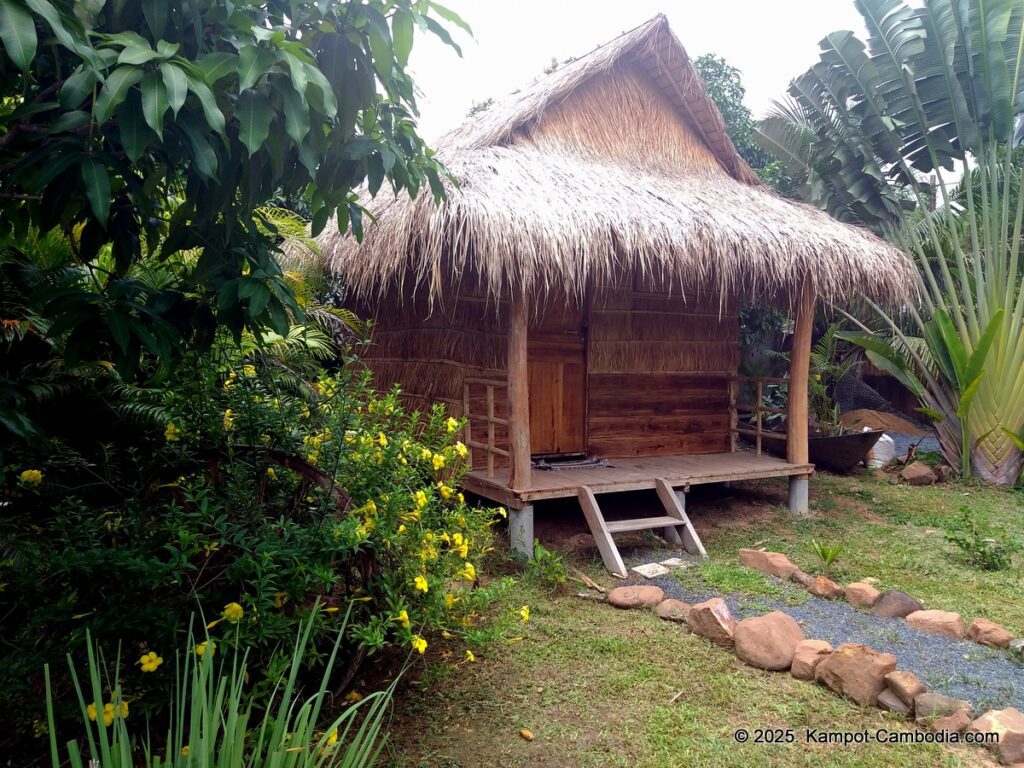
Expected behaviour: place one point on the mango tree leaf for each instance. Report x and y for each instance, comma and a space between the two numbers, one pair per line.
154, 102
253, 62
175, 84
296, 115
214, 66
132, 126
450, 16
402, 33
137, 55
77, 87
254, 114
18, 33
214, 117
97, 188
155, 12
69, 121
114, 91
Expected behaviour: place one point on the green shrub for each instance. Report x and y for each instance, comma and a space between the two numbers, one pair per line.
247, 495
546, 566
982, 547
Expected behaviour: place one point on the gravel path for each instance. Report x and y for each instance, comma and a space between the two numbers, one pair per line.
903, 442
985, 677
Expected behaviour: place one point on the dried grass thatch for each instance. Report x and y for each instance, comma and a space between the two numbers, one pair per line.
615, 162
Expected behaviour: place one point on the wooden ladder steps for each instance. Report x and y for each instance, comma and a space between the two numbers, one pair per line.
640, 524
672, 524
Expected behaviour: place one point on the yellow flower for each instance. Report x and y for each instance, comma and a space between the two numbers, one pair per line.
249, 370
419, 644
461, 449
450, 600
451, 424
229, 419
332, 609
233, 613
420, 498
438, 461
421, 584
524, 613
501, 511
468, 572
201, 648
91, 712
425, 454
470, 658
401, 528
271, 473
382, 441
353, 696
403, 618
150, 661
31, 476
185, 751
445, 491
280, 598
370, 507
172, 434
461, 498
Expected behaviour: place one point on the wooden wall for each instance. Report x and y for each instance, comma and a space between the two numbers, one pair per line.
659, 367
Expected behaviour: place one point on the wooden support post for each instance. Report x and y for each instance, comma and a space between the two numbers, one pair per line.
518, 396
796, 416
520, 530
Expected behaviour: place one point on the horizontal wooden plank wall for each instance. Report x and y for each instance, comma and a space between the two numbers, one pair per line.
659, 369
430, 352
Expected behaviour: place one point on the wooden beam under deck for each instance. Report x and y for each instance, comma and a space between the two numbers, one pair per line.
632, 474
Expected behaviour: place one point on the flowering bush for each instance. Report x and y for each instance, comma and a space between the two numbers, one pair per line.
246, 496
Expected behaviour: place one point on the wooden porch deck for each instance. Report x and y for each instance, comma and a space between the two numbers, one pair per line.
631, 474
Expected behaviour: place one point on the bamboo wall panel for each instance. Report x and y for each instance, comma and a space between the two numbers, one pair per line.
429, 352
659, 368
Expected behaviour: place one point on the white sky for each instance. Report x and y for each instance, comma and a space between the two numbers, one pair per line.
769, 41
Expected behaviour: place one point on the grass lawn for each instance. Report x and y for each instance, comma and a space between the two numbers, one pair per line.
596, 686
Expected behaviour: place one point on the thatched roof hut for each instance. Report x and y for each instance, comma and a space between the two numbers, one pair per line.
618, 159
577, 295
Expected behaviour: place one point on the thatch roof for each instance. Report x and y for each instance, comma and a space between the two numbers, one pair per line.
616, 161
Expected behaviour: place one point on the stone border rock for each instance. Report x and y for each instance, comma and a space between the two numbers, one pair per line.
858, 672
890, 604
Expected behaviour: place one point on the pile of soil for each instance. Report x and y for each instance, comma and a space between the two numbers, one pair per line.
888, 422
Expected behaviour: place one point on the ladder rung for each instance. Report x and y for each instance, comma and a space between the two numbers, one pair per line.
641, 523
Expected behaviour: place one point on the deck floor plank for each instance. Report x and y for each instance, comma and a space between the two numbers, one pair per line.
633, 474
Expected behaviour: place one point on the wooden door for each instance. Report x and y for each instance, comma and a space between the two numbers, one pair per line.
557, 372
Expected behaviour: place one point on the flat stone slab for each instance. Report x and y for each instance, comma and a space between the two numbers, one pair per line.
676, 562
650, 570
